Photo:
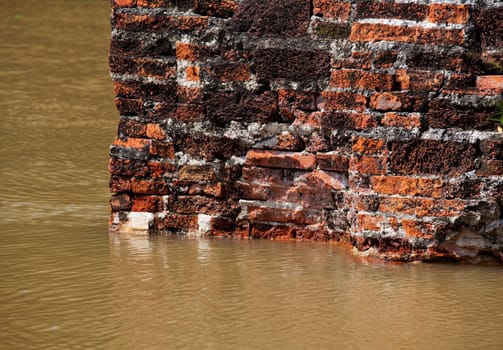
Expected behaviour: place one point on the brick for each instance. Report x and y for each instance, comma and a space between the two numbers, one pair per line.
265, 231
365, 145
119, 184
272, 17
192, 73
155, 131
227, 72
368, 203
267, 176
132, 142
370, 222
371, 32
145, 204
407, 186
332, 9
408, 11
489, 25
491, 167
397, 205
189, 113
132, 128
162, 149
128, 167
151, 186
490, 82
182, 222
189, 95
368, 165
301, 217
154, 3
420, 229
419, 80
160, 168
417, 157
444, 113
492, 147
290, 64
438, 207
333, 162
384, 59
400, 120
121, 202
397, 101
331, 30
204, 205
353, 78
449, 13
190, 23
197, 173
304, 100
325, 180
344, 100
216, 8
190, 52
124, 3
215, 147
278, 159
289, 142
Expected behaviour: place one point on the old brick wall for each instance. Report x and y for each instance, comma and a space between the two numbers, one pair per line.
361, 121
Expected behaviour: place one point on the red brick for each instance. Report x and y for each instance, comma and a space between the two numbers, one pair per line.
368, 165
189, 95
289, 142
214, 190
179, 222
301, 217
324, 180
188, 23
130, 167
160, 169
152, 186
304, 100
204, 205
333, 162
389, 10
162, 149
189, 113
154, 3
332, 9
145, 204
231, 72
278, 159
354, 78
265, 176
397, 205
491, 167
132, 128
407, 121
449, 13
419, 80
385, 32
362, 121
344, 100
438, 207
124, 3
264, 231
365, 145
407, 186
397, 101
120, 202
119, 184
370, 222
414, 228
490, 82
197, 173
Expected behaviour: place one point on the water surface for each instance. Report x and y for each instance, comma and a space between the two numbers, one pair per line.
66, 284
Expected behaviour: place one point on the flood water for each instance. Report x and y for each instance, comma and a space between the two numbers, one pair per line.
65, 283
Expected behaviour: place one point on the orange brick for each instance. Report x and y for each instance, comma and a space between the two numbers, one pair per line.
188, 51
388, 101
186, 23
192, 73
490, 82
279, 159
397, 205
419, 80
364, 145
440, 208
360, 79
449, 13
145, 203
414, 228
155, 131
408, 121
386, 32
368, 165
132, 142
370, 222
232, 72
197, 173
344, 100
152, 186
407, 186
162, 149
332, 9
124, 3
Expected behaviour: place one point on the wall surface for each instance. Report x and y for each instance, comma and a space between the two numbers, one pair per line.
357, 121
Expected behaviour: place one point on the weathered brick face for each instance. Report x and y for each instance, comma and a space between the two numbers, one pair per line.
357, 121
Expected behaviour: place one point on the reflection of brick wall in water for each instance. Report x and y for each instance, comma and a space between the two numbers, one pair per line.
361, 121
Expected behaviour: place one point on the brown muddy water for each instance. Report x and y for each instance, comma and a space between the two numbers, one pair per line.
66, 284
